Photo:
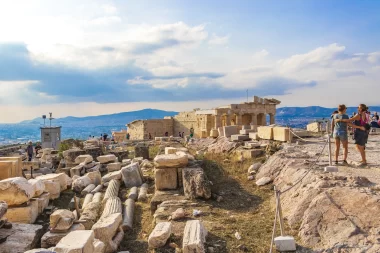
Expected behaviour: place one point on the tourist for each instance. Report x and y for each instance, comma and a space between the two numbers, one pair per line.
105, 136
374, 123
340, 132
361, 131
179, 134
37, 148
375, 117
29, 151
166, 134
128, 136
332, 115
89, 137
150, 136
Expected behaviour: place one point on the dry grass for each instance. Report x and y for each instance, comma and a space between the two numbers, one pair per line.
244, 208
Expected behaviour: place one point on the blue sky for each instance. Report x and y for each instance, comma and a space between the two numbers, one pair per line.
95, 57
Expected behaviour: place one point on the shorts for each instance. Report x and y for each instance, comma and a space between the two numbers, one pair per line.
343, 136
360, 138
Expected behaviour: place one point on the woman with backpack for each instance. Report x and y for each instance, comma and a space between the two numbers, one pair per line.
361, 133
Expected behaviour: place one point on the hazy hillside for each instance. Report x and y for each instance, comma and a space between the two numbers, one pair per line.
111, 119
315, 111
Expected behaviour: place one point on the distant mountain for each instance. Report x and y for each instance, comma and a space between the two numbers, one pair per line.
110, 119
315, 111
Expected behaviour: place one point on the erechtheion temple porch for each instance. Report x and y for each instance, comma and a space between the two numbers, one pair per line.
210, 122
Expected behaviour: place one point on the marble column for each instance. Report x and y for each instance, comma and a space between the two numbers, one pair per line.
239, 120
254, 119
272, 120
264, 120
218, 121
228, 120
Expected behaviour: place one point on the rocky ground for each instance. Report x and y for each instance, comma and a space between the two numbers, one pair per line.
329, 212
325, 212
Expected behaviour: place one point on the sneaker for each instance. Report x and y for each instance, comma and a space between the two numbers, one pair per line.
345, 162
362, 164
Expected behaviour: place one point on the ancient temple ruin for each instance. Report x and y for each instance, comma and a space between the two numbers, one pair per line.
205, 123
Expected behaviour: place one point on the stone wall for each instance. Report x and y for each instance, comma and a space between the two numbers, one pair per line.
136, 130
158, 128
184, 121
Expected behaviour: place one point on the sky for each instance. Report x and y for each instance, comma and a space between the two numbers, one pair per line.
92, 57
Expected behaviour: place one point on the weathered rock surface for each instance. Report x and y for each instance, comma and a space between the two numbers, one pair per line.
120, 154
131, 175
166, 179
143, 193
106, 158
263, 181
23, 214
16, 190
254, 168
113, 205
38, 186
334, 209
170, 150
219, 145
80, 241
3, 208
194, 237
61, 220
133, 193
129, 209
195, 183
89, 188
112, 175
160, 235
20, 238
90, 214
171, 161
95, 177
71, 154
50, 239
53, 188
112, 190
113, 166
43, 201
85, 159
61, 178
87, 200
106, 228
178, 214
80, 183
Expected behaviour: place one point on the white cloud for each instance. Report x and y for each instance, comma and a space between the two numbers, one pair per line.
374, 57
21, 92
321, 56
260, 54
107, 20
109, 9
218, 40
